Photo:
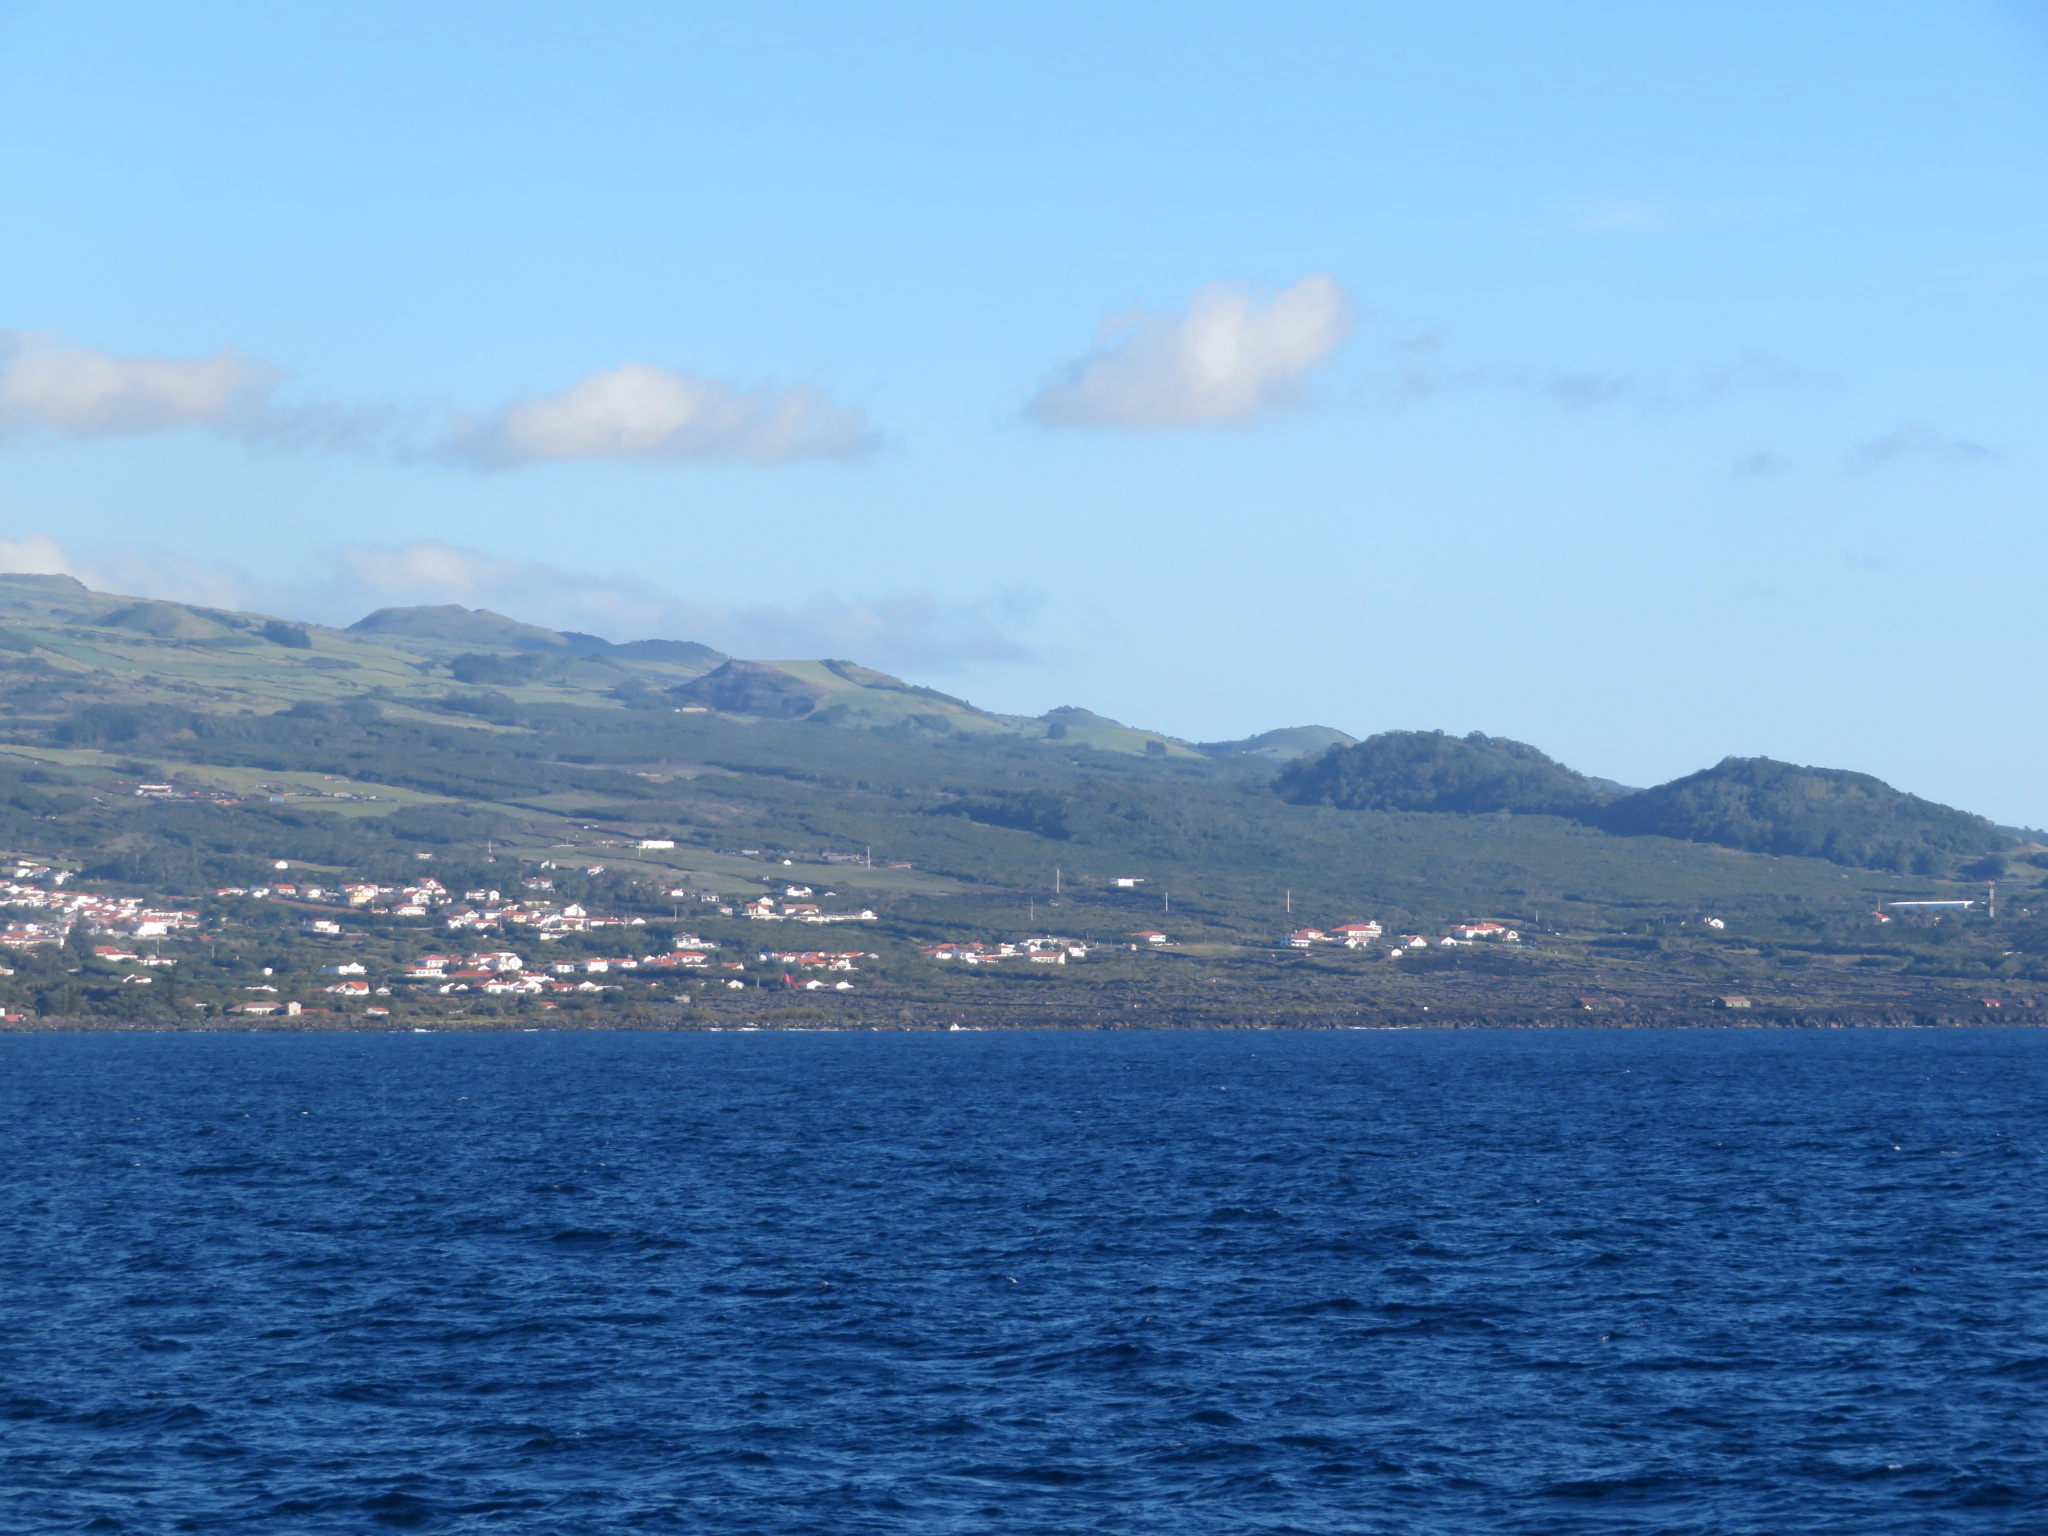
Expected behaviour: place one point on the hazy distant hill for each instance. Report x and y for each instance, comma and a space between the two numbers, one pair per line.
77, 647
460, 625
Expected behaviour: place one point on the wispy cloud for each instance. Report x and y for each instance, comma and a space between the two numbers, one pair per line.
905, 630
1583, 389
1232, 358
641, 414
1915, 441
51, 389
637, 413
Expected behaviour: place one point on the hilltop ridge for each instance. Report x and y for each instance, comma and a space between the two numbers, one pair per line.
83, 647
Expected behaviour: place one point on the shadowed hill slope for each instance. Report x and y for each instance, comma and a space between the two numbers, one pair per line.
1765, 806
1431, 771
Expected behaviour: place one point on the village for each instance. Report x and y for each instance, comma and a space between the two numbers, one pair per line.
629, 955
39, 887
1362, 935
1044, 949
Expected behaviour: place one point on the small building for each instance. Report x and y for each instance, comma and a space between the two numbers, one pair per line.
1150, 936
1732, 1001
1128, 883
1498, 932
657, 842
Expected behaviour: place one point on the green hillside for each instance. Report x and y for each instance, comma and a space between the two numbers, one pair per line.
1754, 804
1430, 771
1825, 813
176, 756
66, 647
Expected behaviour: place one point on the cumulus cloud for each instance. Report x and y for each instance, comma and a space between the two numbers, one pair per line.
904, 630
642, 414
49, 388
1232, 358
1915, 441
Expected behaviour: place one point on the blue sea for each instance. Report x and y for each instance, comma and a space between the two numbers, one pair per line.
1712, 1282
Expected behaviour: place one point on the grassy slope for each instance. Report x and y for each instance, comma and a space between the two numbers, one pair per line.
562, 770
65, 649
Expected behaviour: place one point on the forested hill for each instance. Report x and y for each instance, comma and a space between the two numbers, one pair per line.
1754, 804
1827, 813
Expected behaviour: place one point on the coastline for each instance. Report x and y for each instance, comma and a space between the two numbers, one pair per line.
946, 1020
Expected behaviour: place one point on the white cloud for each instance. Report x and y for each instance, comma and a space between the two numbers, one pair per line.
48, 387
638, 413
1915, 441
1229, 360
904, 630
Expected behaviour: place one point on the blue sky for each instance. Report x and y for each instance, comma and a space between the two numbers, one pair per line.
1651, 383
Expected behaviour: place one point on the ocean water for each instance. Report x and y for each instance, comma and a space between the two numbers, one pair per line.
1712, 1282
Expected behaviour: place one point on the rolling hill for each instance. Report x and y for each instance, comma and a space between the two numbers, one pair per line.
173, 752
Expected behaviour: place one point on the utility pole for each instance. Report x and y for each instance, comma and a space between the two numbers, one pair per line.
1290, 903
1994, 901
1055, 879
871, 856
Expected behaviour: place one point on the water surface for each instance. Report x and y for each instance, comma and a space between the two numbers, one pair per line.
1705, 1282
